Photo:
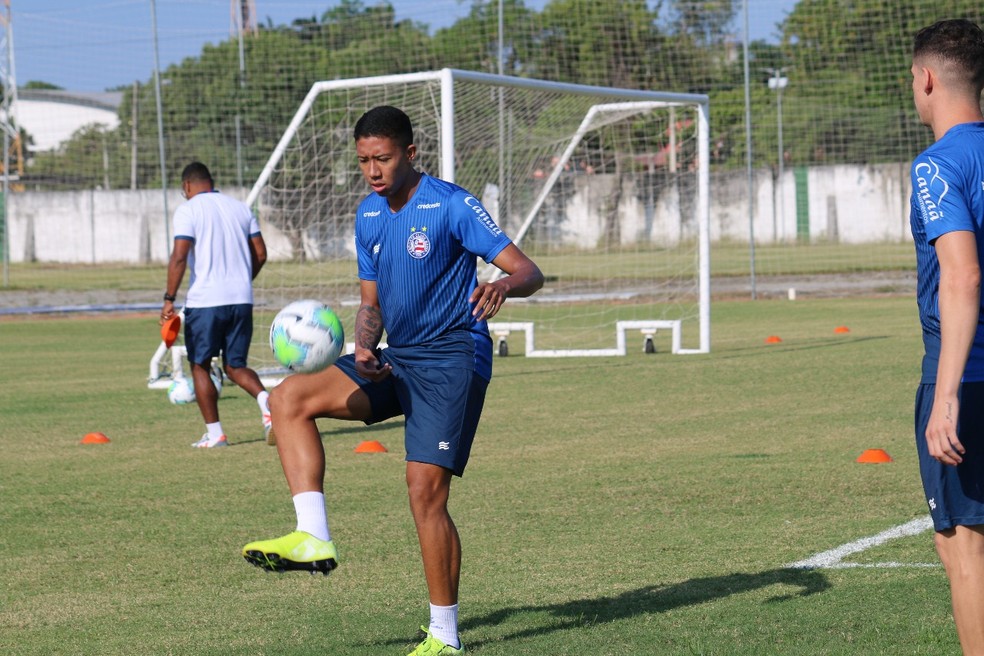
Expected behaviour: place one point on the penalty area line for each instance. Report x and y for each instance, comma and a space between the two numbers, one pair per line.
834, 558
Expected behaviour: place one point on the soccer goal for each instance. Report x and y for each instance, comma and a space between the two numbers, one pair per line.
605, 188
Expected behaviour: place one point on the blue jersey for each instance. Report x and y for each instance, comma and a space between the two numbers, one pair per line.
423, 261
947, 195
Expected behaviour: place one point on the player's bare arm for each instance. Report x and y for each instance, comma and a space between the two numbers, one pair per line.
258, 253
959, 299
368, 332
524, 279
175, 273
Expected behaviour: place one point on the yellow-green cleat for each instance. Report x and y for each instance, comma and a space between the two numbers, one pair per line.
295, 551
431, 646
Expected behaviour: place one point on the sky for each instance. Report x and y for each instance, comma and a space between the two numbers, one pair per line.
96, 45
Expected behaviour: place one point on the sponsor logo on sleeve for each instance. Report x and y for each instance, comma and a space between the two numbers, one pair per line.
482, 215
931, 188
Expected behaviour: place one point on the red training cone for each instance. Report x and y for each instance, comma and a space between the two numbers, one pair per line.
370, 446
94, 438
874, 456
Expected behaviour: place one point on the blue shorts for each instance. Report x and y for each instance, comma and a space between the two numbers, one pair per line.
442, 406
226, 329
955, 494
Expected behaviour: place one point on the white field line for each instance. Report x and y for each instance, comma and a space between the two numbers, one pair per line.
834, 558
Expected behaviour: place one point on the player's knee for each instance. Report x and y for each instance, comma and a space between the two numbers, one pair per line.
283, 400
291, 399
427, 487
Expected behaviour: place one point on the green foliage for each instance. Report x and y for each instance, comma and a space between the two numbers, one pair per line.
847, 101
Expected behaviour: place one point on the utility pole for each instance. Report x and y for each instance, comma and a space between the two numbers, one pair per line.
779, 82
11, 133
243, 22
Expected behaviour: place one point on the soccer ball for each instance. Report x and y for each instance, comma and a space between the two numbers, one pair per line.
181, 391
306, 336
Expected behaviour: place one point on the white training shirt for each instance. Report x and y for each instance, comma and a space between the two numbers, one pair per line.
219, 228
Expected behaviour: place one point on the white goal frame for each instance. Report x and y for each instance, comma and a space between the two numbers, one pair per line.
631, 100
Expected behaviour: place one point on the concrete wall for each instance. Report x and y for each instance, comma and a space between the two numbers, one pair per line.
850, 204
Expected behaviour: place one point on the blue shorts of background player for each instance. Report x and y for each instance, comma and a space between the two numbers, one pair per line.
442, 407
225, 329
955, 494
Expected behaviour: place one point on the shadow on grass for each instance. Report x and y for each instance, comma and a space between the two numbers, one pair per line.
652, 599
808, 344
341, 428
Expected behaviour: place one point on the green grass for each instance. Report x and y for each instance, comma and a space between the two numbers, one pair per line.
636, 505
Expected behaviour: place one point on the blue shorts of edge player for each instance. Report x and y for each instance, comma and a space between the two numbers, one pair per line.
955, 494
442, 406
224, 328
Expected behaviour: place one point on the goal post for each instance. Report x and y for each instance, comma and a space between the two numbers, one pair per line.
607, 189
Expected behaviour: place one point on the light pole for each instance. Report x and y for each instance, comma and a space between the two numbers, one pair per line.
779, 82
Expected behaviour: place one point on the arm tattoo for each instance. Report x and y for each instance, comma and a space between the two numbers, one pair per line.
368, 327
949, 411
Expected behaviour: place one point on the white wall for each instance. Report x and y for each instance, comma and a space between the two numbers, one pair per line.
851, 204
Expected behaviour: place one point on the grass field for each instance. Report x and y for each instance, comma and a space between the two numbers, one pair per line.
637, 505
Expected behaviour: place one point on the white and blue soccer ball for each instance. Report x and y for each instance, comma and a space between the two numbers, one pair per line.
217, 377
306, 336
181, 391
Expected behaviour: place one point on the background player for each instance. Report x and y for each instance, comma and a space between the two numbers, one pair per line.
219, 238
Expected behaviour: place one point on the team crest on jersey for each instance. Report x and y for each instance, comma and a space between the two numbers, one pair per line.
419, 244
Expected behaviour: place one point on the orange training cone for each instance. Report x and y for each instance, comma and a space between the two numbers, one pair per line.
94, 438
874, 456
842, 329
370, 446
170, 329
773, 339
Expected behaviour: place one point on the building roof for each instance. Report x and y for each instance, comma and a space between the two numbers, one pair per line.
52, 116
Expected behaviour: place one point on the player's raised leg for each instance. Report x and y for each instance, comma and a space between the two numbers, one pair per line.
295, 406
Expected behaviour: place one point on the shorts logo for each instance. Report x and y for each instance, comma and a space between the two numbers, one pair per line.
418, 245
444, 446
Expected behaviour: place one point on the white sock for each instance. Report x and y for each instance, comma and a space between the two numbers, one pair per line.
312, 517
444, 624
214, 431
263, 400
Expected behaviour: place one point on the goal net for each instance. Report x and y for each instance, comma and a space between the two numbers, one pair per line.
605, 188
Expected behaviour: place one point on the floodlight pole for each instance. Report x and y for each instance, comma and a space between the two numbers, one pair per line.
160, 127
748, 157
239, 102
9, 126
778, 82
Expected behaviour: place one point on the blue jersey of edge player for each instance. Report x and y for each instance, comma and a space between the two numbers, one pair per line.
948, 196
